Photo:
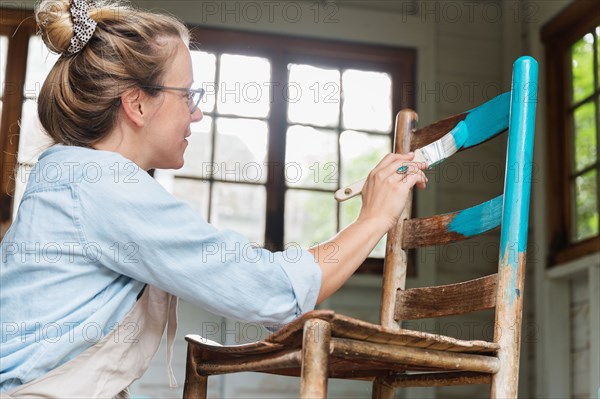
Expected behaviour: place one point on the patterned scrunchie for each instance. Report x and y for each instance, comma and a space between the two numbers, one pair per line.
83, 25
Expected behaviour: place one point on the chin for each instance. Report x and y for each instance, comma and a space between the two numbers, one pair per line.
176, 165
170, 164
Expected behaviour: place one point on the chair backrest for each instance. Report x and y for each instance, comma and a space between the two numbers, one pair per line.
504, 290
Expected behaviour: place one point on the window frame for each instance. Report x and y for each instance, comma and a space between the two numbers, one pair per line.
558, 35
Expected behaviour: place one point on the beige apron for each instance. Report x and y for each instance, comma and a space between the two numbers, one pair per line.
111, 365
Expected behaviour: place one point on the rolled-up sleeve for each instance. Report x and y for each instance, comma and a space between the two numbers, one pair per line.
143, 232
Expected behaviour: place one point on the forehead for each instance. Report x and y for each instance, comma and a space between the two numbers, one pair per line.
179, 72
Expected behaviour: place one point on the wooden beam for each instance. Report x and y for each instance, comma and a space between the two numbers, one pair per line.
414, 356
195, 384
250, 363
437, 379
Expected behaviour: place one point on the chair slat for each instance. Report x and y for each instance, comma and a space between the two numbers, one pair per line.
447, 300
455, 226
483, 122
435, 131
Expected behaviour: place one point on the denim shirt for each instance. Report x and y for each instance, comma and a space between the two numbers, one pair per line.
92, 230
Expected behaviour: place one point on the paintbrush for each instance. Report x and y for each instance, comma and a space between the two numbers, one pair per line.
430, 154
479, 125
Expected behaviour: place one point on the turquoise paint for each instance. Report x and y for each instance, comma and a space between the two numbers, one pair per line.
517, 183
488, 120
460, 134
478, 219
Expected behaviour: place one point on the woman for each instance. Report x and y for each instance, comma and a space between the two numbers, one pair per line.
99, 251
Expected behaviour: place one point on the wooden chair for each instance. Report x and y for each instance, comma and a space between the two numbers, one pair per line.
322, 344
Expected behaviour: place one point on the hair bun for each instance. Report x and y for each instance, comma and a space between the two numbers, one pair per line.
55, 25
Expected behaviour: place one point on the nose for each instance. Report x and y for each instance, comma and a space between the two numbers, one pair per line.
197, 115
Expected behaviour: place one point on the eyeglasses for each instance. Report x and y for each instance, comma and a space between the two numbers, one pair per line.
194, 96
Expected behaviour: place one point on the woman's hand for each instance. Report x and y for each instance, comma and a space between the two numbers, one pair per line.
386, 190
384, 197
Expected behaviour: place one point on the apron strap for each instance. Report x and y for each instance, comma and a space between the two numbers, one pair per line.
171, 331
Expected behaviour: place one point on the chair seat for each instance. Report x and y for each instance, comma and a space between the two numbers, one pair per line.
281, 354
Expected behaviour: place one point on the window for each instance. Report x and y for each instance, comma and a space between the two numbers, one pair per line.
573, 56
287, 121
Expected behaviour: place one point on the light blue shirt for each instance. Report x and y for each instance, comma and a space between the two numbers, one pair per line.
92, 229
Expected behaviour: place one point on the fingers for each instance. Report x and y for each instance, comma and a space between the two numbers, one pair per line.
399, 171
383, 167
391, 158
411, 174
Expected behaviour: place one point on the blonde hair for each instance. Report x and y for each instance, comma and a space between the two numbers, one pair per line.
78, 102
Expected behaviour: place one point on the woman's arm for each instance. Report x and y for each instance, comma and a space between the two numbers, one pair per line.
384, 197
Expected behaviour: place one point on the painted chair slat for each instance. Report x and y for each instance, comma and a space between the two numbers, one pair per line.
451, 227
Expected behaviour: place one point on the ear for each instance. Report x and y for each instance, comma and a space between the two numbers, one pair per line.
132, 105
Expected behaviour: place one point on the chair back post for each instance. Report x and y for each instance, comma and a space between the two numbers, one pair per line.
395, 263
513, 237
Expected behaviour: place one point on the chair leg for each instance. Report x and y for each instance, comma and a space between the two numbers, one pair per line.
382, 390
315, 359
195, 384
508, 332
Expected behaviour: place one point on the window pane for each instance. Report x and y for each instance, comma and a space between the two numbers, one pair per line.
349, 212
240, 207
582, 67
360, 153
367, 101
244, 87
586, 199
311, 157
194, 192
585, 135
39, 62
313, 95
241, 150
310, 217
3, 53
204, 76
32, 141
197, 155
